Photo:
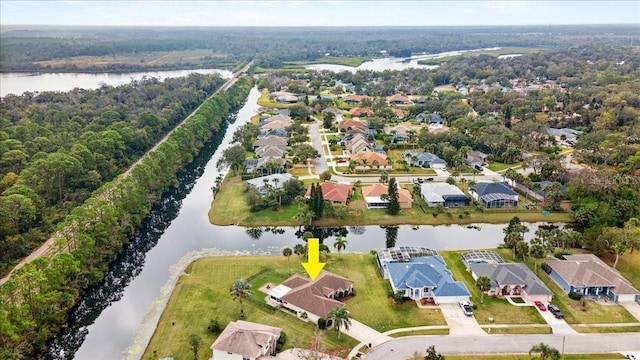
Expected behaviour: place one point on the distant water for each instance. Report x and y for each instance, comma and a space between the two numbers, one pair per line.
18, 83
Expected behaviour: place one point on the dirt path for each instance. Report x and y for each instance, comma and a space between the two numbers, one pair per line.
47, 247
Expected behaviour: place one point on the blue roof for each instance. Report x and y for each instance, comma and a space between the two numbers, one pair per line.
426, 271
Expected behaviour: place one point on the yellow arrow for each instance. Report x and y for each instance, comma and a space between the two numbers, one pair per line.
313, 264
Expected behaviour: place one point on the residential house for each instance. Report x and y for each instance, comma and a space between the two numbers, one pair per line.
398, 99
586, 274
373, 196
564, 136
399, 113
435, 119
371, 161
494, 195
421, 277
349, 124
355, 99
542, 188
435, 194
361, 112
334, 193
315, 298
279, 117
244, 340
271, 140
512, 279
473, 158
358, 145
337, 112
423, 159
270, 151
400, 133
284, 97
264, 184
265, 166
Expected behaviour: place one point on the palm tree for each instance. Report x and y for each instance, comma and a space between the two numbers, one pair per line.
241, 290
340, 245
545, 351
340, 317
288, 252
298, 249
484, 284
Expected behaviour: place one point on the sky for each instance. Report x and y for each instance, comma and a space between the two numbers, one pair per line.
317, 13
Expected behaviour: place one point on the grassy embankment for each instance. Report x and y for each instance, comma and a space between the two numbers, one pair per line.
230, 208
299, 66
203, 294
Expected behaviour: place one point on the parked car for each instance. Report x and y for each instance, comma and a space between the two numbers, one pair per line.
555, 311
540, 305
633, 356
429, 179
466, 308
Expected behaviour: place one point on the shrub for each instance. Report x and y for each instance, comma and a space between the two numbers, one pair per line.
474, 306
283, 338
575, 296
214, 326
322, 323
304, 315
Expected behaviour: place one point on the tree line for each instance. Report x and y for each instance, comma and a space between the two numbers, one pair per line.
35, 300
57, 148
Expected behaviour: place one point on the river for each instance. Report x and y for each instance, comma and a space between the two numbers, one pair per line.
390, 63
107, 320
18, 83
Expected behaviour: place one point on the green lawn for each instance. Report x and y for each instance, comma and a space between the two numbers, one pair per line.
230, 208
520, 330
202, 294
420, 332
496, 166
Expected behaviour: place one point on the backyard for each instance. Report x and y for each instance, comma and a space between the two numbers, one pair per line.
202, 294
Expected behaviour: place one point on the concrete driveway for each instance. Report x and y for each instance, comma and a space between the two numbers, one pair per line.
558, 326
633, 308
365, 334
459, 323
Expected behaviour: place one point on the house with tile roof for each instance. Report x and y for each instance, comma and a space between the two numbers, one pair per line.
400, 133
424, 277
242, 340
512, 279
371, 161
494, 195
270, 140
398, 99
373, 195
423, 159
358, 145
333, 192
399, 113
349, 124
316, 297
361, 112
586, 274
270, 151
444, 194
355, 99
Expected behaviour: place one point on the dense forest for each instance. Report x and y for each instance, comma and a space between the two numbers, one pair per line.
57, 148
22, 49
35, 300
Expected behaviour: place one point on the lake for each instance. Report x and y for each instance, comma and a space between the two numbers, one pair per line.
18, 83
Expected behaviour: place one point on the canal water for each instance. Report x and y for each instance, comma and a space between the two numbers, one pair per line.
105, 323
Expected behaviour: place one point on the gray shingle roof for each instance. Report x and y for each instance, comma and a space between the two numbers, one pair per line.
511, 274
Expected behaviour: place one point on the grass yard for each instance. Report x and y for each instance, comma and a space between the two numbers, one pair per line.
606, 329
628, 266
420, 332
498, 309
496, 166
230, 208
519, 330
203, 294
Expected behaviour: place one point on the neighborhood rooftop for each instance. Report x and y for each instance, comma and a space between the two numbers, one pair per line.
404, 253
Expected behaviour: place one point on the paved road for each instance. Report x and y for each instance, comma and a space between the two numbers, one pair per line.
405, 347
316, 142
48, 246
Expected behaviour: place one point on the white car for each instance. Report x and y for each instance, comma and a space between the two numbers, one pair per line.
466, 308
633, 356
